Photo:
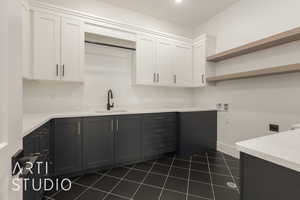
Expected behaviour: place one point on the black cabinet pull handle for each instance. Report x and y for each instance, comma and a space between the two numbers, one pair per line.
154, 77
112, 125
117, 125
57, 70
79, 128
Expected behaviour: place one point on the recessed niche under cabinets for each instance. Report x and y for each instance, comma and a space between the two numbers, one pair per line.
109, 42
108, 55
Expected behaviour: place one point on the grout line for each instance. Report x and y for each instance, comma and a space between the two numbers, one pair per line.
212, 187
175, 191
141, 183
103, 191
55, 193
189, 177
184, 169
165, 182
110, 192
91, 186
228, 168
192, 180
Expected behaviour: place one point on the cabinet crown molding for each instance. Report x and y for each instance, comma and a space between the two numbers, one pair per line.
87, 18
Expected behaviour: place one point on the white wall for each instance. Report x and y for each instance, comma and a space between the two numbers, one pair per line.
256, 102
105, 68
11, 94
3, 96
122, 15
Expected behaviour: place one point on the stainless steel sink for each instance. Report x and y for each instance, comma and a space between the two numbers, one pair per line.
111, 111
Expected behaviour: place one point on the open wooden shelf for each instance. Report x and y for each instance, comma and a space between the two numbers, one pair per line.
272, 41
256, 73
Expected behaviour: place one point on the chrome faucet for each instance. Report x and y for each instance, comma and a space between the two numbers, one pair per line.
110, 97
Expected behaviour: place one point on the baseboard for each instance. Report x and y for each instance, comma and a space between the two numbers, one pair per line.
228, 149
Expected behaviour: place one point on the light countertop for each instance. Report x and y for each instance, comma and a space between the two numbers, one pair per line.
32, 121
282, 149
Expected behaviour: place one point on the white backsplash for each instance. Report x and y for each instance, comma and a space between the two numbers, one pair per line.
105, 68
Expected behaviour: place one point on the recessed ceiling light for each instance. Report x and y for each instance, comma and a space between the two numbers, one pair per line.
178, 1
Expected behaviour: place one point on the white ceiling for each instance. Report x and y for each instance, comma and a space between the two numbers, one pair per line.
189, 13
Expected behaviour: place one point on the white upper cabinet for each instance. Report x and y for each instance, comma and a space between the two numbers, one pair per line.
199, 61
72, 48
183, 65
203, 47
58, 47
164, 62
146, 67
46, 46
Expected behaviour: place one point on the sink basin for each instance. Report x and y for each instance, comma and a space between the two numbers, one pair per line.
111, 111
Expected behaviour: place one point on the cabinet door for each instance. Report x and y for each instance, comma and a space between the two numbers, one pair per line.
67, 146
146, 60
199, 61
46, 46
159, 134
98, 142
72, 46
164, 62
128, 139
183, 65
198, 132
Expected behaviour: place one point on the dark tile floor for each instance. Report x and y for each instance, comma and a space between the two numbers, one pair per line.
201, 177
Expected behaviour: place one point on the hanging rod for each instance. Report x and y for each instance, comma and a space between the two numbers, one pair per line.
110, 45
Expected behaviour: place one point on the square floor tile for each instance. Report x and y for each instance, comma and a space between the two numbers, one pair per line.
215, 154
200, 167
88, 179
181, 164
195, 198
200, 176
92, 194
155, 180
235, 172
228, 157
216, 161
113, 197
221, 180
199, 159
147, 193
165, 161
177, 185
179, 173
225, 194
126, 189
145, 166
219, 170
136, 175
160, 169
106, 184
169, 195
74, 192
118, 172
185, 158
233, 164
202, 154
201, 190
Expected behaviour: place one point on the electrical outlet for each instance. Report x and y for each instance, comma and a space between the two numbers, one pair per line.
274, 128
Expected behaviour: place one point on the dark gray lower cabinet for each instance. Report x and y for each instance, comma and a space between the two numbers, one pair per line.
263, 180
198, 132
67, 145
98, 142
127, 138
159, 134
81, 144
